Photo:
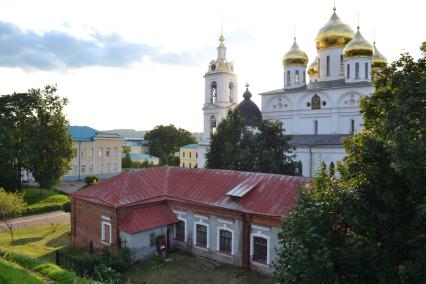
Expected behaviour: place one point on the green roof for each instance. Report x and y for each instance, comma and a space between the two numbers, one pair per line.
190, 146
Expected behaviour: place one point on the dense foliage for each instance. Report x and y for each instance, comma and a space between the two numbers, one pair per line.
11, 205
165, 141
264, 149
369, 225
34, 137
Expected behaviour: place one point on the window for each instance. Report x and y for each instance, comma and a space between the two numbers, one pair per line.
231, 92
75, 169
100, 150
116, 152
115, 167
328, 65
190, 154
201, 235
352, 125
183, 154
152, 239
106, 231
183, 165
74, 150
366, 70
189, 164
225, 241
341, 64
315, 126
348, 71
212, 124
83, 169
213, 92
107, 153
90, 169
304, 77
180, 231
196, 154
83, 153
357, 70
316, 102
195, 166
296, 77
260, 249
319, 67
288, 78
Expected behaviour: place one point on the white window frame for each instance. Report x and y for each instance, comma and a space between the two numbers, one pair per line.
218, 240
106, 221
268, 246
201, 222
185, 237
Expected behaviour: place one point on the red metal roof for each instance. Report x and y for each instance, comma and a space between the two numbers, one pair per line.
146, 218
273, 195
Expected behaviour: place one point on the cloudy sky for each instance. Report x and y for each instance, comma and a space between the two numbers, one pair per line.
137, 64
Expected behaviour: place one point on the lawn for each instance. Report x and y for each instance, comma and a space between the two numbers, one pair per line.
187, 269
13, 273
38, 241
42, 200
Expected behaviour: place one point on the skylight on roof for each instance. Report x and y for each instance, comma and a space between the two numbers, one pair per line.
243, 188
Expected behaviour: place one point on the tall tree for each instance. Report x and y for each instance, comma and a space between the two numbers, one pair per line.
165, 141
264, 149
377, 212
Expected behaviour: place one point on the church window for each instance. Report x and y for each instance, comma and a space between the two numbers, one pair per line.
357, 70
332, 169
296, 77
328, 65
315, 102
348, 71
352, 125
304, 76
341, 64
212, 124
231, 92
315, 126
288, 78
366, 70
213, 90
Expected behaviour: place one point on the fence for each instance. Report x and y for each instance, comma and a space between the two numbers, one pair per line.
83, 261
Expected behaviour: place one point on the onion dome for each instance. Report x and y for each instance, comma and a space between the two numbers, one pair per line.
248, 110
295, 56
358, 47
313, 68
334, 34
379, 60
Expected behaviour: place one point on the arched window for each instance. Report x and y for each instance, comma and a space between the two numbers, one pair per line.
348, 71
328, 65
213, 124
288, 78
296, 77
315, 102
352, 125
304, 76
366, 70
357, 70
315, 126
213, 92
231, 92
341, 64
332, 169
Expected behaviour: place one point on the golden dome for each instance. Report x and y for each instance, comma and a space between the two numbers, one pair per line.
379, 60
295, 56
358, 47
313, 68
334, 34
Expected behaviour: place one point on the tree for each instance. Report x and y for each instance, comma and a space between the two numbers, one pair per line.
236, 147
126, 161
33, 136
375, 214
11, 206
165, 141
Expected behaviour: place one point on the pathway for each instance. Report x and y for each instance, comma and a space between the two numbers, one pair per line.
55, 217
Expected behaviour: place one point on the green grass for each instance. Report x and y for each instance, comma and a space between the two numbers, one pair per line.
13, 273
42, 200
186, 269
38, 241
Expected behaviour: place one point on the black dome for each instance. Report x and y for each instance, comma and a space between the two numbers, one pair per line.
249, 111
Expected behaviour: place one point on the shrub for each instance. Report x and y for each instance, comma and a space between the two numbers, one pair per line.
90, 180
66, 207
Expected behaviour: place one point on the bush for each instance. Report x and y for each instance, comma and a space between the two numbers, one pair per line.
90, 180
66, 207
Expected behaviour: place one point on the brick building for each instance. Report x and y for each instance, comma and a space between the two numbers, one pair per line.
230, 216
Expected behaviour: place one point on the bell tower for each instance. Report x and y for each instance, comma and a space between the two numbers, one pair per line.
220, 95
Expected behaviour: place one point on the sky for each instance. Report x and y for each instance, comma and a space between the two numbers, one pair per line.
138, 64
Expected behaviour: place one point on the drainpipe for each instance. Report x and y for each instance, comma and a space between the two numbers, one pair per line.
246, 241
310, 161
79, 159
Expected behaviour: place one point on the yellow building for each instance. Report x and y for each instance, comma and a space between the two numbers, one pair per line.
137, 145
95, 153
188, 156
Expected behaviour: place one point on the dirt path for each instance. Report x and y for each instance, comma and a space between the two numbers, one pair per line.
39, 219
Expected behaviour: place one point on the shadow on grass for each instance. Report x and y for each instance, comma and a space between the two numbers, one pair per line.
25, 241
60, 241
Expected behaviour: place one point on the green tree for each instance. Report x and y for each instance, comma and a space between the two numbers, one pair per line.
165, 141
126, 161
11, 206
236, 147
33, 136
375, 214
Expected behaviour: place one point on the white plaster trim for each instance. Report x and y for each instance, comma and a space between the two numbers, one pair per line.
195, 235
257, 227
218, 240
106, 218
179, 212
268, 247
225, 221
103, 225
201, 217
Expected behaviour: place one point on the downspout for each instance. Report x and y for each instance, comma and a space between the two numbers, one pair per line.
310, 161
246, 241
79, 159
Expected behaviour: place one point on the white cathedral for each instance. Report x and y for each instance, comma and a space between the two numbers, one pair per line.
318, 105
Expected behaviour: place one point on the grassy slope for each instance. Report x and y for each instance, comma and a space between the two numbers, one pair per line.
13, 273
43, 200
38, 241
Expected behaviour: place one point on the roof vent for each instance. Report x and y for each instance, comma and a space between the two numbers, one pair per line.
243, 188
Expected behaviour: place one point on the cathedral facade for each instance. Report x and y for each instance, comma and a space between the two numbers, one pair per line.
318, 105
